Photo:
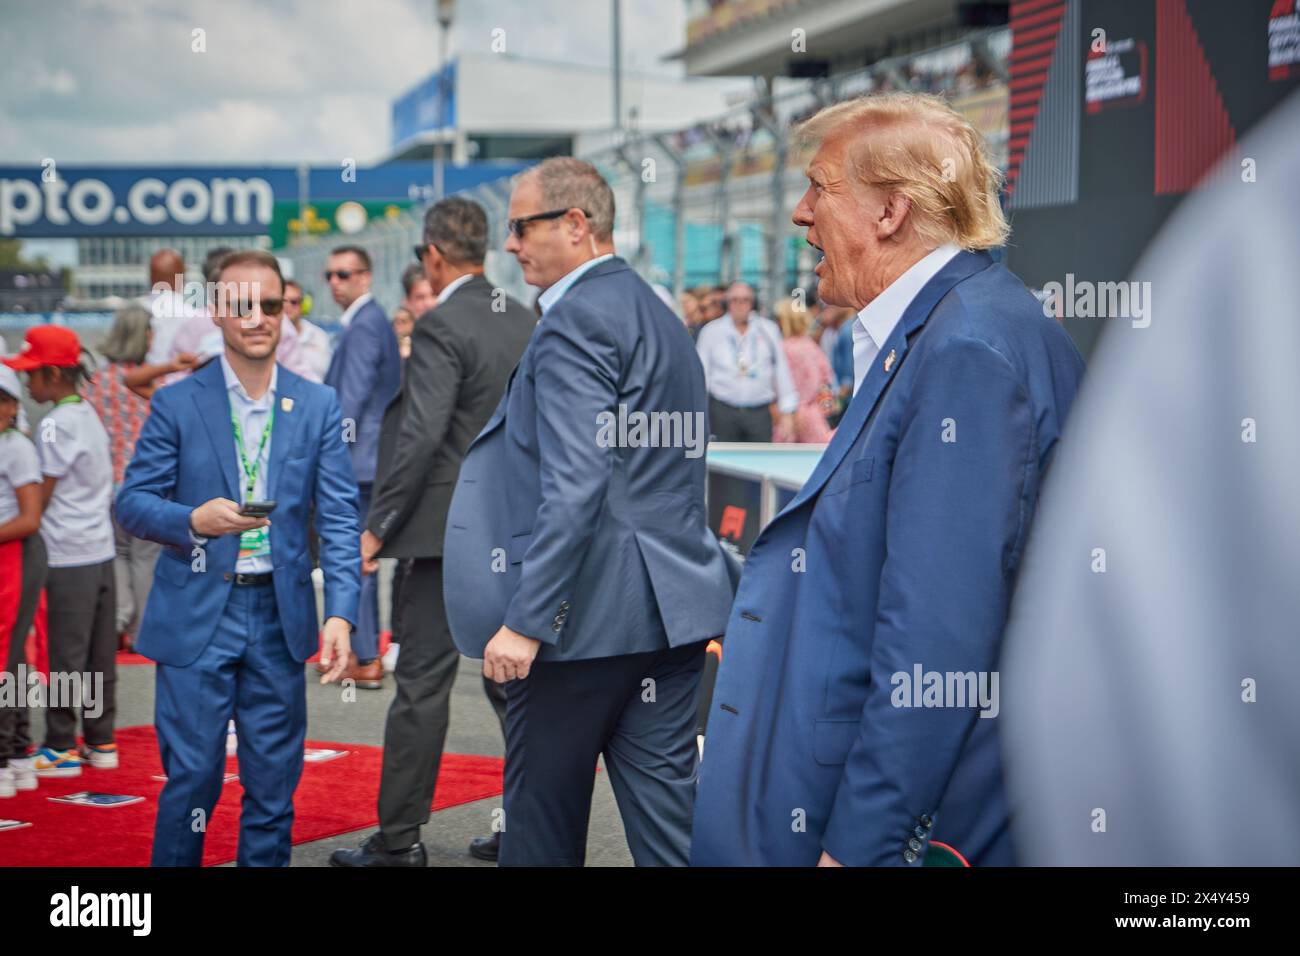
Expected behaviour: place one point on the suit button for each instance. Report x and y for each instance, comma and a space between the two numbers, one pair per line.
557, 625
227, 576
909, 856
920, 832
564, 606
926, 821
915, 845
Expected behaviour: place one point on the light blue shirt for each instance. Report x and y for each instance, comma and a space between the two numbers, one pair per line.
556, 292
253, 416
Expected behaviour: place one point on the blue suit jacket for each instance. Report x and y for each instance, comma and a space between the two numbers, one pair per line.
910, 529
366, 371
185, 455
595, 551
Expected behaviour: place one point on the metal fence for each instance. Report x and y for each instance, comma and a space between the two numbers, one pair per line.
710, 203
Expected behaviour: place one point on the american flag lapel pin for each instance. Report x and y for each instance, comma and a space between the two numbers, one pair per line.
889, 360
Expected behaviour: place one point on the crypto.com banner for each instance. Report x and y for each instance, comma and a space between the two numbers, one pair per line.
54, 200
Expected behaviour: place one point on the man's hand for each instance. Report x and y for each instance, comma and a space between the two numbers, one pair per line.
221, 516
828, 860
335, 649
509, 655
370, 546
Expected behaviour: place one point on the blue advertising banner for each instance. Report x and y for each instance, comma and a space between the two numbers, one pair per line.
51, 201
431, 105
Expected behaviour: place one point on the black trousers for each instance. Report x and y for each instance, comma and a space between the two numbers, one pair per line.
638, 711
416, 728
732, 423
15, 728
81, 609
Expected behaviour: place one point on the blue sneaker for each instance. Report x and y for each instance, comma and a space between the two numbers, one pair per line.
48, 762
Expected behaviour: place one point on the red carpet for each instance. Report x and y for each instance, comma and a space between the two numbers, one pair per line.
334, 797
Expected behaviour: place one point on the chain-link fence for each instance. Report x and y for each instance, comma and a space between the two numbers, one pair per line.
710, 203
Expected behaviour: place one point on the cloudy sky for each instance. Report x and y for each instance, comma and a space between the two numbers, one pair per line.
100, 81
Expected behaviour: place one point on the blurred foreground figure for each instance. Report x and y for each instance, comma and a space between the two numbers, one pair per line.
1151, 708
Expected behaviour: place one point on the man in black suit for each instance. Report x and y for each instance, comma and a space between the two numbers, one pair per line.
463, 351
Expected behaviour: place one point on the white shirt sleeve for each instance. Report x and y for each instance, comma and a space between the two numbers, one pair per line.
57, 454
21, 467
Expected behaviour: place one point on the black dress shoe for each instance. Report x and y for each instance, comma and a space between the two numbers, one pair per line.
374, 853
486, 848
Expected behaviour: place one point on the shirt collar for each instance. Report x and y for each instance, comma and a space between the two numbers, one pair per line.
452, 286
555, 292
882, 313
233, 384
351, 311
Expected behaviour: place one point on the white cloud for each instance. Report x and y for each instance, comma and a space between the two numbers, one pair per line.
94, 81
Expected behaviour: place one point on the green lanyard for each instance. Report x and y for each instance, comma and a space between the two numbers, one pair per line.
68, 399
251, 471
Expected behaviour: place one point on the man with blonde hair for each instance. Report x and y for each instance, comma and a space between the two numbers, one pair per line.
854, 716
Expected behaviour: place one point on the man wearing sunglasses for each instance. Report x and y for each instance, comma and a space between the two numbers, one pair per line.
366, 372
231, 616
466, 343
581, 569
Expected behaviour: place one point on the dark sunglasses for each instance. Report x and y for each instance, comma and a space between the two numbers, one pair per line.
271, 306
516, 226
344, 274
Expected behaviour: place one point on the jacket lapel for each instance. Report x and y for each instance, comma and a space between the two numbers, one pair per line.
883, 369
214, 411
288, 413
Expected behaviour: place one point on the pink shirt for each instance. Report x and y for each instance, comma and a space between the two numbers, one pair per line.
811, 373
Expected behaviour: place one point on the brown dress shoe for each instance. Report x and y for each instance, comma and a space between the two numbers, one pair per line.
369, 676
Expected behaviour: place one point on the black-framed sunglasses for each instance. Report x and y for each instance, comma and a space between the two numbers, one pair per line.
271, 306
419, 251
344, 274
516, 226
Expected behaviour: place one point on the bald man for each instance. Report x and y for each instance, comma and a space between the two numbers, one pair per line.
166, 301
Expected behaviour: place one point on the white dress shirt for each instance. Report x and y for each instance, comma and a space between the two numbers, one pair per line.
746, 371
170, 311
314, 350
451, 287
555, 292
875, 323
350, 312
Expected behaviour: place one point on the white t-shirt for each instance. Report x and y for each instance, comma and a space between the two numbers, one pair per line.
77, 526
18, 467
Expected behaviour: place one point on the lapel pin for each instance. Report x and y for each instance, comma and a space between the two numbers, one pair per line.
286, 404
889, 360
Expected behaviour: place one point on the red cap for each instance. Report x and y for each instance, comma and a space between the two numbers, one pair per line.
45, 345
